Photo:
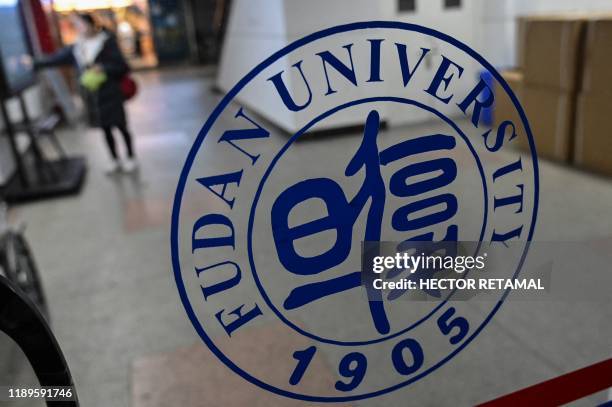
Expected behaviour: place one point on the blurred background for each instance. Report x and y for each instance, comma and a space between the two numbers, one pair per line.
100, 242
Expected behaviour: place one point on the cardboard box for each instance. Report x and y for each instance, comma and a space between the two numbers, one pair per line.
593, 143
550, 50
597, 56
504, 109
550, 113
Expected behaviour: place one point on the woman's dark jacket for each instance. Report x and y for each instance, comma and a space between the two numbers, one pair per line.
104, 106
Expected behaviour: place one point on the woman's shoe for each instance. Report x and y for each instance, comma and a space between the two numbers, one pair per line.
113, 168
130, 165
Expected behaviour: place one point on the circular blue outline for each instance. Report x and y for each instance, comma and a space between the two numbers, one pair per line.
228, 98
280, 154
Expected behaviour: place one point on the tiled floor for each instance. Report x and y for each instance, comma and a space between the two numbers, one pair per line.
106, 267
192, 376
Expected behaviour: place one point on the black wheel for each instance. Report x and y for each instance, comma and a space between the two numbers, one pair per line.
18, 265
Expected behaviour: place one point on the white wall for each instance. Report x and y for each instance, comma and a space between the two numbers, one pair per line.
257, 28
459, 23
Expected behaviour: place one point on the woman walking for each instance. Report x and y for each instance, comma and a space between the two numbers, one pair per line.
101, 68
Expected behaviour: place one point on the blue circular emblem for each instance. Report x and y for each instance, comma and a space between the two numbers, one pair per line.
268, 229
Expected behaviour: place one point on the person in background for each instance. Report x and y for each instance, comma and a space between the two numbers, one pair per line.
101, 67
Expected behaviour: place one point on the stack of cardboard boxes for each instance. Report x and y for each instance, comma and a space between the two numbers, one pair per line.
550, 61
593, 137
565, 87
504, 109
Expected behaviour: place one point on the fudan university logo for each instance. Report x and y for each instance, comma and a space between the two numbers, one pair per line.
268, 228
